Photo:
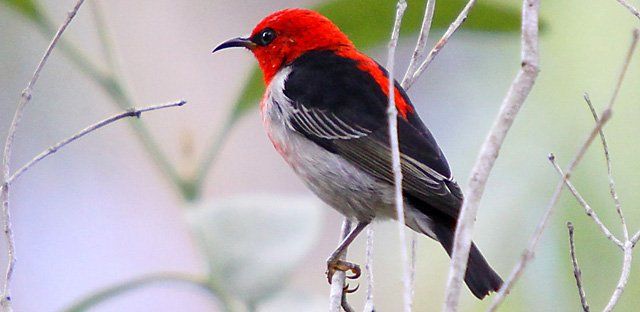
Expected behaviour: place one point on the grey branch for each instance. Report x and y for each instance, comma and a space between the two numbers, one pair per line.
587, 208
630, 7
421, 45
338, 279
25, 97
528, 253
441, 43
635, 238
418, 54
624, 277
368, 304
134, 112
576, 269
513, 101
392, 115
607, 156
412, 279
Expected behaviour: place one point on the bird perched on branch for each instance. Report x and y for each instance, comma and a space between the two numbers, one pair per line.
324, 110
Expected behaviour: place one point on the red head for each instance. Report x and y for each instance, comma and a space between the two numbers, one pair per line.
283, 36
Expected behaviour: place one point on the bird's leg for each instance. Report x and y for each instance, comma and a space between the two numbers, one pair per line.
334, 263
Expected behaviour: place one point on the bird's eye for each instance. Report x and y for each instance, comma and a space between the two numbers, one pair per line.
265, 37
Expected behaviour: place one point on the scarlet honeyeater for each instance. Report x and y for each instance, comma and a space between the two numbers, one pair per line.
324, 110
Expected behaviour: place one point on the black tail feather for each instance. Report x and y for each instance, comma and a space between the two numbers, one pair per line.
480, 277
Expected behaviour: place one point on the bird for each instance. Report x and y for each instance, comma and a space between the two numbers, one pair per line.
325, 112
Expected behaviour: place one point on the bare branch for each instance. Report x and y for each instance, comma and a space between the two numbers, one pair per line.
441, 43
528, 253
26, 93
630, 7
587, 208
635, 238
135, 112
8, 232
576, 269
513, 101
338, 278
412, 280
25, 97
421, 44
612, 184
624, 277
392, 114
625, 65
369, 305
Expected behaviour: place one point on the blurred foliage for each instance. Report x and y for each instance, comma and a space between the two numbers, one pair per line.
254, 242
30, 9
368, 24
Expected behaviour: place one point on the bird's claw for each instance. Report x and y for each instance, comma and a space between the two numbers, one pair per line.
346, 289
344, 266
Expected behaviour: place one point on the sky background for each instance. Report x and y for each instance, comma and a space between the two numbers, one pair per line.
99, 212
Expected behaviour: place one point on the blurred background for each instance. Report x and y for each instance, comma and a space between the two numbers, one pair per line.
102, 212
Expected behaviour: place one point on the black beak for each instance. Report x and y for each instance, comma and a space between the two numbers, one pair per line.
235, 43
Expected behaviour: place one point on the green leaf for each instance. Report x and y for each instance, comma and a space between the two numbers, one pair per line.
29, 9
369, 23
253, 242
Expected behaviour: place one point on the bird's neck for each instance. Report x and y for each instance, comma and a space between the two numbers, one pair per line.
274, 62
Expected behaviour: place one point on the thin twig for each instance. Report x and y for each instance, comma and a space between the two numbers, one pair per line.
625, 65
513, 101
528, 253
114, 85
421, 44
612, 184
441, 43
135, 112
368, 304
628, 244
115, 88
587, 208
630, 7
6, 295
418, 54
338, 278
635, 238
392, 115
576, 269
624, 277
25, 97
412, 276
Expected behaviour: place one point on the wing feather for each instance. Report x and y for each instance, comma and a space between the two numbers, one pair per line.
369, 150
333, 102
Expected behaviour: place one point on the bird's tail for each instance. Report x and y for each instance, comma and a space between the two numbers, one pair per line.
480, 277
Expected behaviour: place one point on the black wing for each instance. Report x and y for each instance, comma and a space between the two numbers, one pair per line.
342, 109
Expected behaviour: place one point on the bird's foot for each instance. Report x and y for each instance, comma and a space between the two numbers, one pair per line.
344, 266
